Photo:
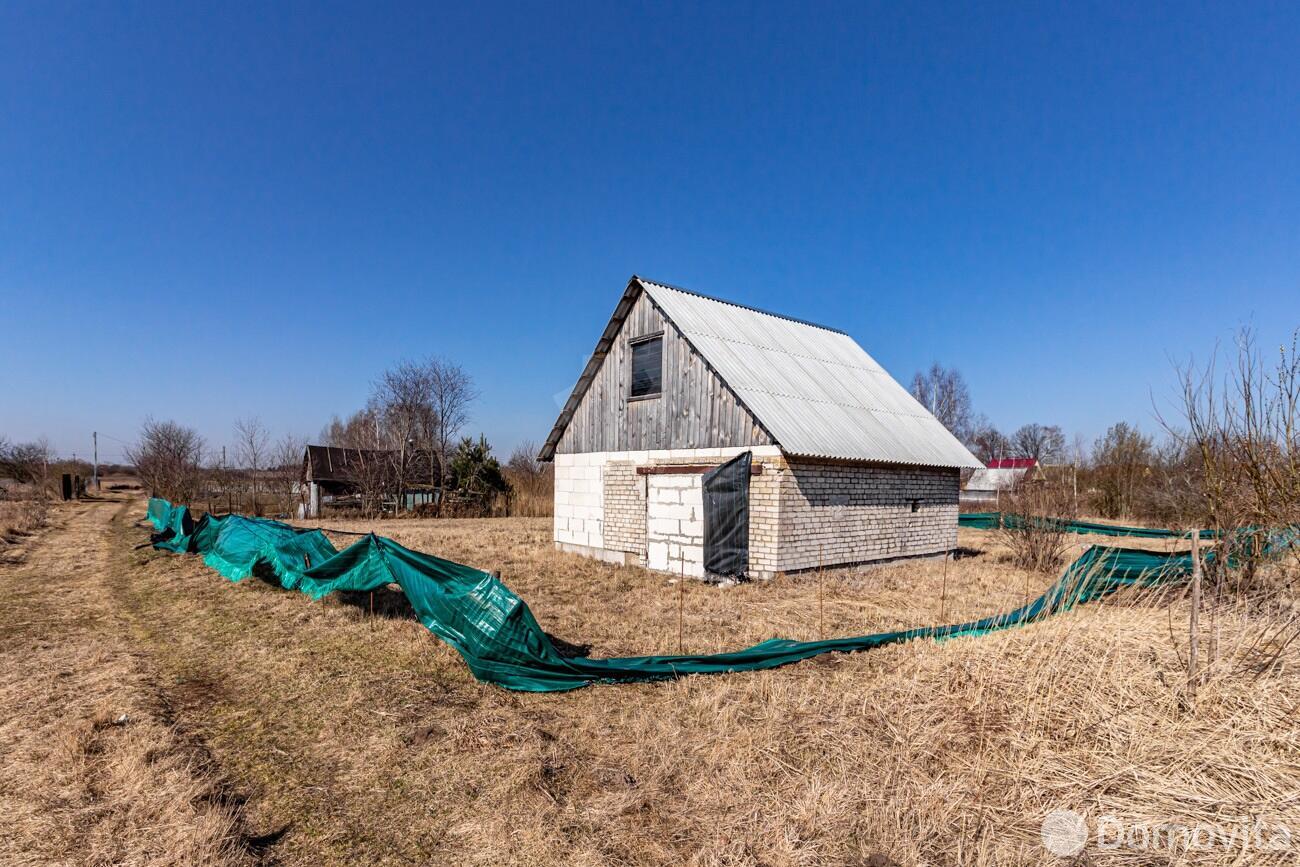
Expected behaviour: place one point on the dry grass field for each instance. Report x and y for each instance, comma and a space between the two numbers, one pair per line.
158, 714
19, 519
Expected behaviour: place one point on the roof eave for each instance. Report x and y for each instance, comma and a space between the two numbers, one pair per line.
947, 465
598, 354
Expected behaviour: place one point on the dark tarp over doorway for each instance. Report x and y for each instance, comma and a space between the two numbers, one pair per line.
726, 518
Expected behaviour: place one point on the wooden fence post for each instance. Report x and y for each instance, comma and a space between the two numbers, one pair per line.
681, 598
1194, 626
821, 596
943, 589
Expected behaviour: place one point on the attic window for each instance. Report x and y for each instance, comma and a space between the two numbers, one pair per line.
647, 365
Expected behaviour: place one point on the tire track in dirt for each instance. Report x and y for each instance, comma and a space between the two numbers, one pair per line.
93, 766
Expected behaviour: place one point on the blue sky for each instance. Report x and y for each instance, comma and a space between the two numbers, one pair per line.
244, 210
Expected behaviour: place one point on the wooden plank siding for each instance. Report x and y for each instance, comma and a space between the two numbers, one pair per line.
694, 410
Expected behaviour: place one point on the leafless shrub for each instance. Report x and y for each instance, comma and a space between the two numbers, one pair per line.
27, 464
1034, 531
1169, 494
1245, 427
532, 482
168, 457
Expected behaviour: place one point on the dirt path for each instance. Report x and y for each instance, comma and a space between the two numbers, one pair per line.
93, 767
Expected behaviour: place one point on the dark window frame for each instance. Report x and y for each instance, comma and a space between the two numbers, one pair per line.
633, 343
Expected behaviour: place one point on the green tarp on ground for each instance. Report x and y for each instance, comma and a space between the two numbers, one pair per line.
501, 641
996, 520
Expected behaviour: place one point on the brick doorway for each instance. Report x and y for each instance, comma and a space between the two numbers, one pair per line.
675, 523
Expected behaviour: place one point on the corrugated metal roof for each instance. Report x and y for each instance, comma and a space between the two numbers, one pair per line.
1012, 463
814, 389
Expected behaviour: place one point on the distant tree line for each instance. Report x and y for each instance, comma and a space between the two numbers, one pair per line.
256, 476
410, 435
1228, 455
24, 463
944, 393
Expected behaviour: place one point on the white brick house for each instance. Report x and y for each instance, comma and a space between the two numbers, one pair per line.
847, 467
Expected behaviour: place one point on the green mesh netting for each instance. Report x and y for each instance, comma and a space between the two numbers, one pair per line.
996, 520
500, 640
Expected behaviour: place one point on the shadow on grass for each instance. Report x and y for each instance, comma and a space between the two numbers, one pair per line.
391, 603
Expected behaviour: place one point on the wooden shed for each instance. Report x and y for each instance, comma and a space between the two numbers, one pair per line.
332, 474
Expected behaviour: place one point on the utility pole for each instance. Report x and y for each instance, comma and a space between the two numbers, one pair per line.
94, 436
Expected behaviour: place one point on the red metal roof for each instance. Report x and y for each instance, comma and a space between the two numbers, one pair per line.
1012, 463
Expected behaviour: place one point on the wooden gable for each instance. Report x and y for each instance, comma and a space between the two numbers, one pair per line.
695, 408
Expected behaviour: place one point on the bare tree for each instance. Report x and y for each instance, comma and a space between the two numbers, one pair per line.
1122, 459
252, 444
452, 394
374, 475
333, 434
403, 400
407, 431
987, 442
168, 458
1043, 443
361, 430
943, 392
285, 469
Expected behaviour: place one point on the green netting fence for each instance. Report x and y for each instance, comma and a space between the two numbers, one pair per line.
502, 643
1011, 521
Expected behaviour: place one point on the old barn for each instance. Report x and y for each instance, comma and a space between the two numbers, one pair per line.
709, 437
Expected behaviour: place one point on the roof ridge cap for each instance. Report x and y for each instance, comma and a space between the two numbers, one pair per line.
646, 280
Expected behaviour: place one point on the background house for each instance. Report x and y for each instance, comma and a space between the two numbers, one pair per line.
1000, 476
333, 476
845, 465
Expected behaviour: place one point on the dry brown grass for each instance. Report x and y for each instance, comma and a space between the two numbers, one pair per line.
93, 768
19, 519
367, 740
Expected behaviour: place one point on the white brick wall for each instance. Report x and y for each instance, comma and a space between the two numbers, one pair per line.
675, 524
835, 513
579, 501
581, 497
801, 511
